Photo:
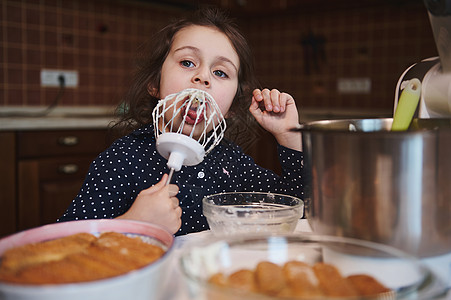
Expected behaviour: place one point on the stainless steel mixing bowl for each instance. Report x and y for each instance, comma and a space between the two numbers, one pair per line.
365, 181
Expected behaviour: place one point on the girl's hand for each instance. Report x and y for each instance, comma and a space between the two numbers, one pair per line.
157, 204
277, 113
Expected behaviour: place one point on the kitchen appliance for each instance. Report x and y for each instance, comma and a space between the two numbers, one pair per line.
188, 125
435, 72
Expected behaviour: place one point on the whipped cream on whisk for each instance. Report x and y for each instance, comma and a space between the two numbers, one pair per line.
188, 125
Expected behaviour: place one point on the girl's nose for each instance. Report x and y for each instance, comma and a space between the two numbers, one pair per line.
199, 80
202, 78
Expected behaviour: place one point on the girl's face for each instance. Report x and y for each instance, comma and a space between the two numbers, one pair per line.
203, 58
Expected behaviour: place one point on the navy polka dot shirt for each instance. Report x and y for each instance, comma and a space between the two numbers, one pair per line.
132, 164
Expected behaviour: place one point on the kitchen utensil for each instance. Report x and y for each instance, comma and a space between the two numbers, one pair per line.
188, 125
140, 284
252, 212
407, 105
363, 180
407, 276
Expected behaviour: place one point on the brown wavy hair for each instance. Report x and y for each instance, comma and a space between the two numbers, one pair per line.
138, 103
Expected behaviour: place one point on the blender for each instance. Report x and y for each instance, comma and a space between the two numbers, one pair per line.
435, 72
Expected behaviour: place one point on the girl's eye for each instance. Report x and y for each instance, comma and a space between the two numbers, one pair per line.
220, 73
187, 63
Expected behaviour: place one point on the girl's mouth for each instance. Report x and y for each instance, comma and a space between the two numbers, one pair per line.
191, 116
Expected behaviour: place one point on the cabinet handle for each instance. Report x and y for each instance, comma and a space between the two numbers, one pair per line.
69, 140
68, 169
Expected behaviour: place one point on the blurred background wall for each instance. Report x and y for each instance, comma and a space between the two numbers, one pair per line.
330, 55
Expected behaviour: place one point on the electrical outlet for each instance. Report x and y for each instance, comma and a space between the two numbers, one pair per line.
49, 78
354, 85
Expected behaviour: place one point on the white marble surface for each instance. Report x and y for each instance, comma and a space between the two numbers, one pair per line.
29, 118
72, 117
14, 124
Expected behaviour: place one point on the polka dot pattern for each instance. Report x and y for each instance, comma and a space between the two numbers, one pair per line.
132, 164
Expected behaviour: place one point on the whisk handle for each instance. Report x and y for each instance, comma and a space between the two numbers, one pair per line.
171, 172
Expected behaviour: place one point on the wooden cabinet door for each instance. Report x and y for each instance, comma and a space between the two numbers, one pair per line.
7, 183
47, 186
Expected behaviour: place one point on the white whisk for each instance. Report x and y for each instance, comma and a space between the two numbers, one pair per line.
188, 125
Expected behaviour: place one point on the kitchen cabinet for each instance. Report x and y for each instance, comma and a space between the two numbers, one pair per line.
44, 170
7, 183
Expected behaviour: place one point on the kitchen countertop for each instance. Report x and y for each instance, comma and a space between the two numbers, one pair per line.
32, 118
83, 117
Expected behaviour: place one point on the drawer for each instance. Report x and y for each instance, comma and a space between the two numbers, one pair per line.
46, 187
58, 168
61, 142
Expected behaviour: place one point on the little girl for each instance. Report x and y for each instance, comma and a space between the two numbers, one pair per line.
205, 52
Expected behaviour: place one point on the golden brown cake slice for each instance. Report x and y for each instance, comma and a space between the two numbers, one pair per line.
367, 285
218, 279
131, 249
77, 258
74, 268
301, 280
243, 280
30, 254
269, 277
332, 282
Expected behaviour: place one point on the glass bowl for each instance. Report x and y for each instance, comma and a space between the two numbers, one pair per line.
406, 276
252, 212
143, 283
